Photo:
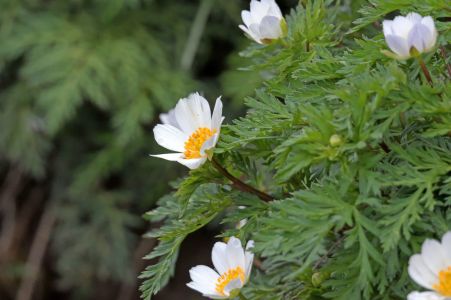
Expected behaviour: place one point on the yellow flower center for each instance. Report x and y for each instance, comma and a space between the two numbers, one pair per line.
227, 277
195, 142
444, 285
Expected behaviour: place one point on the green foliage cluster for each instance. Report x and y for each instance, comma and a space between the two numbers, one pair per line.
354, 146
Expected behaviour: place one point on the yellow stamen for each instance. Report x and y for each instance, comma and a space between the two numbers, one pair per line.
227, 277
195, 142
444, 285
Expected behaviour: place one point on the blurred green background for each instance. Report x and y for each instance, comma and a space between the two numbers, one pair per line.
82, 83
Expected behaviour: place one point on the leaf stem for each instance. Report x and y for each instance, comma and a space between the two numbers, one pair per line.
425, 70
240, 185
336, 244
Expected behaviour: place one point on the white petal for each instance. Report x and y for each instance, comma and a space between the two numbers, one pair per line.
219, 257
192, 163
446, 244
192, 113
420, 37
274, 9
169, 118
387, 27
420, 273
270, 28
425, 296
215, 296
429, 23
201, 288
235, 253
247, 17
233, 285
250, 34
398, 45
170, 137
434, 256
249, 258
401, 26
258, 10
205, 277
414, 17
254, 29
169, 156
209, 144
217, 118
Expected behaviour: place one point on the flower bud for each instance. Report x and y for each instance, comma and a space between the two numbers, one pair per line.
335, 140
410, 36
264, 21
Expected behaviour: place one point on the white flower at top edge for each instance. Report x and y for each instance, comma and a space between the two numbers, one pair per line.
190, 129
410, 33
233, 266
431, 269
264, 21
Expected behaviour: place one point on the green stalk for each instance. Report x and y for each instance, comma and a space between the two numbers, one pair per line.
196, 32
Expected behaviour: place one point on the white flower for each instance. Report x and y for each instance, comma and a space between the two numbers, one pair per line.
432, 270
425, 296
190, 129
411, 33
264, 22
233, 266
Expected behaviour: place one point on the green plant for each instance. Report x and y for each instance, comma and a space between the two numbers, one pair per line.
354, 146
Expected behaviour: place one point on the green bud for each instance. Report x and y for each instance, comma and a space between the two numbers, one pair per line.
234, 293
335, 140
209, 153
414, 52
284, 27
319, 277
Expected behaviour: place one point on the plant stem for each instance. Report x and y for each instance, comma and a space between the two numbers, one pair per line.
329, 252
196, 32
242, 297
448, 66
240, 185
425, 70
36, 255
402, 117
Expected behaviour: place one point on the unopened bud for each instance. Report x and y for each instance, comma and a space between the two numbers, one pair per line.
335, 140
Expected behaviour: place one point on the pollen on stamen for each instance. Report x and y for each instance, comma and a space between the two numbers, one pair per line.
195, 142
229, 276
444, 285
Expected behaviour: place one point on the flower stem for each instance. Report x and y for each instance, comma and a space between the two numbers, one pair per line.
448, 66
283, 42
242, 297
425, 70
238, 184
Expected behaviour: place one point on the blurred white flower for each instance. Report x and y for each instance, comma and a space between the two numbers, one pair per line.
264, 22
411, 35
190, 129
233, 266
432, 270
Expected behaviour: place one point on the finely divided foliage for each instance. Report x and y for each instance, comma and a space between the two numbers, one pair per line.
354, 146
